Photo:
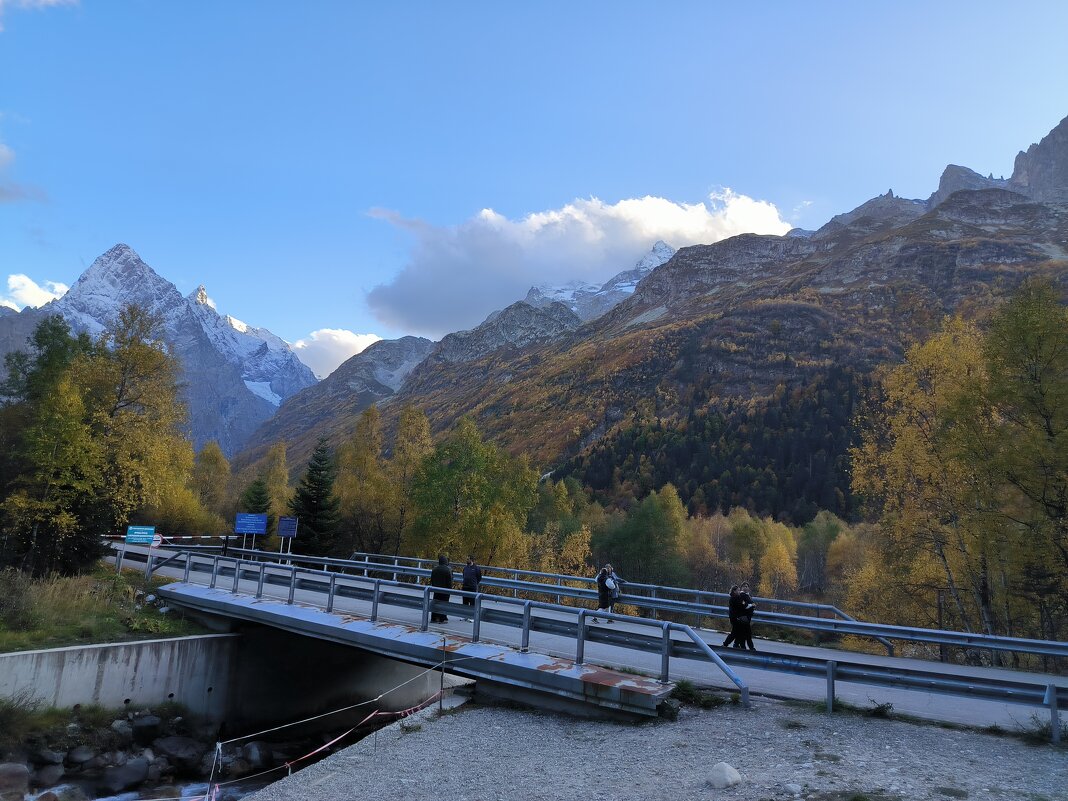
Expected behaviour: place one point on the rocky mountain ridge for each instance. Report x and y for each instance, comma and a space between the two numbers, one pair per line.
234, 376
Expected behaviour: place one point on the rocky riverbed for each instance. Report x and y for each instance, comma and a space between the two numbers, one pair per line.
774, 751
153, 755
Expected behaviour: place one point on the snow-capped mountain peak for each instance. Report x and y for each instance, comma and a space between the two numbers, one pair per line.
590, 300
235, 375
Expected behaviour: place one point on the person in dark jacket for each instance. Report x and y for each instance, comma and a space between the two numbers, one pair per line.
472, 578
735, 607
441, 576
746, 618
605, 585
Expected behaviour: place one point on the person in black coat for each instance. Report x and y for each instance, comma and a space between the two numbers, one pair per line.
746, 618
605, 585
472, 578
441, 576
735, 608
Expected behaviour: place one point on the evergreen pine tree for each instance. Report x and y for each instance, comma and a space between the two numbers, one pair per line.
315, 506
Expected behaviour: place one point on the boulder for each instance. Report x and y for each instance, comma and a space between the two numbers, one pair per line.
46, 757
14, 781
123, 729
238, 768
256, 754
48, 775
723, 775
146, 729
120, 777
182, 752
48, 795
70, 792
793, 788
80, 754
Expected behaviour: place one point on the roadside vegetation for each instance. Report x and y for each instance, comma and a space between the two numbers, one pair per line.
98, 606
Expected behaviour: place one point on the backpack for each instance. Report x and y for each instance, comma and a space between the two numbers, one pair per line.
613, 586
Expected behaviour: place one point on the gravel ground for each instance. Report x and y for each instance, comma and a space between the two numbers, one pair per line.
782, 751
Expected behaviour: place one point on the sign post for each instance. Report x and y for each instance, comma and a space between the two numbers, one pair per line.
287, 532
142, 535
250, 524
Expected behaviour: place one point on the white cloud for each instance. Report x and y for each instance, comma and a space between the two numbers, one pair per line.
6, 4
24, 291
7, 304
458, 274
324, 350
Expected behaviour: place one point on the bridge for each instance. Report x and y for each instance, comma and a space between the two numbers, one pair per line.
525, 637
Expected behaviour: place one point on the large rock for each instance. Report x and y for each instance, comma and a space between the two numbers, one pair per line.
120, 777
48, 775
46, 757
146, 729
723, 776
182, 752
256, 754
14, 781
80, 754
123, 729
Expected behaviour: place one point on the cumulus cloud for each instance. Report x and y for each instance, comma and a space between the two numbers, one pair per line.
456, 275
24, 291
8, 4
324, 350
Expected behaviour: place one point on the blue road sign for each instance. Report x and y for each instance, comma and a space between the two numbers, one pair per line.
287, 527
250, 524
140, 535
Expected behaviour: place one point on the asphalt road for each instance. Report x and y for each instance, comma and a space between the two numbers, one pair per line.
953, 709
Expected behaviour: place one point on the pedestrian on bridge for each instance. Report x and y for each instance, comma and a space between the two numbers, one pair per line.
735, 609
746, 618
471, 579
441, 576
606, 585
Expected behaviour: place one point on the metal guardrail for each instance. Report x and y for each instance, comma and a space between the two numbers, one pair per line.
846, 626
336, 584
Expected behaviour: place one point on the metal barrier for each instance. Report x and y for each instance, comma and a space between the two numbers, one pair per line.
380, 592
846, 626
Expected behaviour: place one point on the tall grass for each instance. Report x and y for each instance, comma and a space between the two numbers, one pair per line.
101, 606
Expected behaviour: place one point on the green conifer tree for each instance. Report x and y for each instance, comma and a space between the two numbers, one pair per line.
315, 506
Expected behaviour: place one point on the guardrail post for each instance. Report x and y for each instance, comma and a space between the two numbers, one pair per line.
292, 583
580, 638
330, 593
515, 578
425, 624
697, 602
375, 600
118, 561
652, 594
1054, 715
214, 572
525, 642
237, 575
832, 671
476, 626
188, 566
259, 583
148, 566
665, 655
396, 562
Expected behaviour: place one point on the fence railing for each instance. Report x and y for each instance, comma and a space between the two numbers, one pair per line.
498, 609
844, 625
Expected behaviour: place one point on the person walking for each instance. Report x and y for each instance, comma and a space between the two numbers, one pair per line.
441, 576
605, 585
746, 617
472, 577
735, 608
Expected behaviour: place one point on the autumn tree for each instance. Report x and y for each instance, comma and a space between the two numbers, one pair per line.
211, 477
471, 497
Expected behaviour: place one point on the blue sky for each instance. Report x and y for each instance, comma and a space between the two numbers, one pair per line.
331, 166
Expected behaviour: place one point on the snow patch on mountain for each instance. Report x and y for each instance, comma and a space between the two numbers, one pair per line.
589, 301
